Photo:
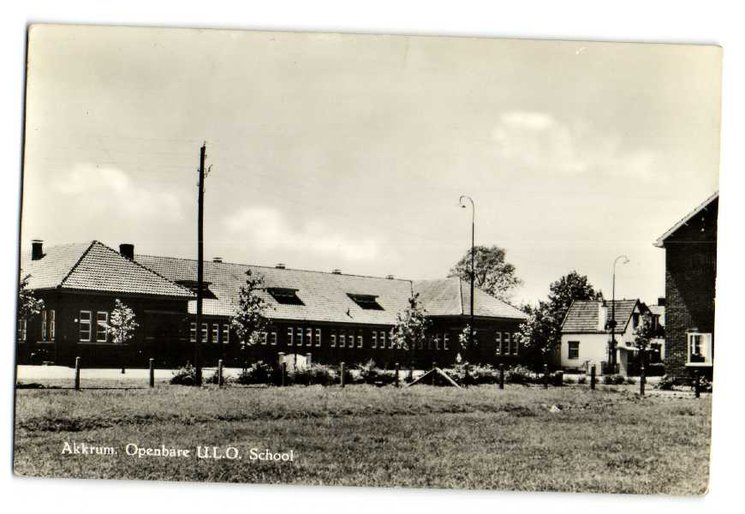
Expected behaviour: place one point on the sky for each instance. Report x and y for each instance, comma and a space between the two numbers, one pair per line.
351, 151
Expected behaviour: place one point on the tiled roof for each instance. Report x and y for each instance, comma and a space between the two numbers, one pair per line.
582, 316
96, 267
325, 296
703, 205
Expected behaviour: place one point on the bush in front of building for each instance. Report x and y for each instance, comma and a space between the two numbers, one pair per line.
258, 372
519, 374
614, 379
370, 374
185, 375
315, 374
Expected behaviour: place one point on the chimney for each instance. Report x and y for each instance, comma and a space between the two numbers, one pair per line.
389, 277
127, 250
216, 259
280, 265
336, 271
661, 301
37, 249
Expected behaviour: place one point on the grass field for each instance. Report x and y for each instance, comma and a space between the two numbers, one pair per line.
597, 441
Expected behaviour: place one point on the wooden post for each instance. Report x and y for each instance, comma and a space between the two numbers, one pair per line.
341, 374
501, 375
219, 373
545, 376
398, 369
77, 373
642, 376
280, 368
151, 367
432, 378
592, 377
465, 378
697, 384
310, 375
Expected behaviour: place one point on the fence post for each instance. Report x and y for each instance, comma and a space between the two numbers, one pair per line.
432, 379
501, 375
697, 384
341, 374
280, 362
465, 378
151, 367
283, 374
398, 369
592, 377
545, 376
642, 376
219, 373
77, 373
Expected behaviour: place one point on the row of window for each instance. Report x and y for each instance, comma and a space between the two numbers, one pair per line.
216, 335
88, 332
506, 343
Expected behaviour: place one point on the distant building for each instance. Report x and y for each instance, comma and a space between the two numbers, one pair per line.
334, 316
690, 280
585, 335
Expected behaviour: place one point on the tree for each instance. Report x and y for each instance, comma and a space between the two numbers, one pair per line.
28, 304
122, 324
467, 347
412, 324
541, 333
493, 273
249, 318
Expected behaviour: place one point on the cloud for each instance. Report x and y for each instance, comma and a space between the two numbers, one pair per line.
110, 192
267, 228
540, 143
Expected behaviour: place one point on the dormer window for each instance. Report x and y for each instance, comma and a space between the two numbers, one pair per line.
366, 301
193, 286
285, 296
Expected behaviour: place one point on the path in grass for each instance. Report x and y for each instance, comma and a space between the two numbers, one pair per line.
604, 441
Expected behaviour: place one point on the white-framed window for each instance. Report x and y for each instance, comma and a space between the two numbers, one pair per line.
226, 333
342, 339
205, 332
43, 324
573, 350
505, 343
515, 343
22, 330
52, 324
318, 337
350, 339
102, 331
309, 337
273, 337
699, 349
498, 343
85, 326
374, 340
215, 333
360, 339
333, 339
446, 341
290, 336
381, 339
263, 338
299, 336
437, 341
193, 332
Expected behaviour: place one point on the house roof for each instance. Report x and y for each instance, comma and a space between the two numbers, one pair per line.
582, 316
683, 221
94, 266
326, 296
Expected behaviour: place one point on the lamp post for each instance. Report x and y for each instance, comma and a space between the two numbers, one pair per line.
612, 347
473, 261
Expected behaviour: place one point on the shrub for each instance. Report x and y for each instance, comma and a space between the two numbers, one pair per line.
212, 379
369, 374
582, 379
666, 383
519, 375
613, 379
315, 374
257, 373
630, 381
569, 380
186, 375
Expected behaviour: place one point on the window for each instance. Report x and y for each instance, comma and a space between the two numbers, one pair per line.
445, 341
215, 333
102, 330
635, 320
309, 337
374, 341
350, 339
498, 343
318, 337
505, 343
299, 336
205, 334
226, 333
360, 340
273, 338
573, 350
85, 326
285, 296
333, 339
22, 332
290, 336
515, 343
366, 301
52, 324
381, 339
193, 332
44, 325
342, 340
699, 349
263, 338
437, 342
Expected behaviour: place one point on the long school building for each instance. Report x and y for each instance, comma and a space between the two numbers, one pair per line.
332, 316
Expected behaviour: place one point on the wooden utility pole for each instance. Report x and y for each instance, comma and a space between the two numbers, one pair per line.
200, 266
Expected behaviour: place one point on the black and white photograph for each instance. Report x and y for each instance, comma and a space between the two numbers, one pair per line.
374, 260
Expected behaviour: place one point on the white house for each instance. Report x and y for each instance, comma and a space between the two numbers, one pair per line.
585, 333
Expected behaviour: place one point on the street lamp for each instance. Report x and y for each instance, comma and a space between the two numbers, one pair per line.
473, 260
612, 348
